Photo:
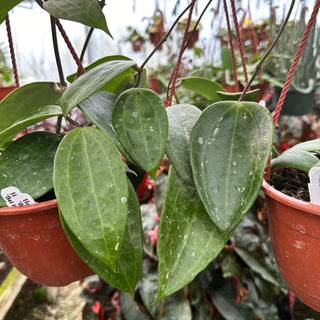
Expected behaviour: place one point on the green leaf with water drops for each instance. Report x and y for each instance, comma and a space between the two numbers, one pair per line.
91, 188
26, 106
87, 12
129, 264
98, 108
187, 241
27, 164
181, 118
230, 145
92, 81
141, 123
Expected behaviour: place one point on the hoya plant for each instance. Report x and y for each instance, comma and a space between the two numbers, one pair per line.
217, 160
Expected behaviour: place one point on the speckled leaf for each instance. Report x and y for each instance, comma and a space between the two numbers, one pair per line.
87, 12
92, 191
181, 118
129, 263
92, 81
204, 87
27, 164
26, 106
187, 239
141, 123
98, 108
230, 145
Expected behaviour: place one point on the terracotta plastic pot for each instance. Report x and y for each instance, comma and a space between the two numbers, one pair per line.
4, 91
294, 228
33, 240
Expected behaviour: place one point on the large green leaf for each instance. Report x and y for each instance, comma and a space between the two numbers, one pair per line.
129, 263
26, 106
187, 239
204, 87
141, 123
181, 118
92, 191
98, 108
295, 158
92, 81
27, 164
6, 6
112, 84
87, 12
230, 145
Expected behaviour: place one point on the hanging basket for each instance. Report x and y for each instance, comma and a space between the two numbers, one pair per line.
295, 103
33, 240
294, 228
4, 91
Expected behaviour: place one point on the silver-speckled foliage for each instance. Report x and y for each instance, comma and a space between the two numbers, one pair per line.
230, 146
27, 164
129, 263
188, 240
92, 191
141, 123
181, 117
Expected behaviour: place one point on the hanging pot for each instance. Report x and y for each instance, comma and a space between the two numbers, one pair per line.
33, 240
294, 228
295, 103
4, 91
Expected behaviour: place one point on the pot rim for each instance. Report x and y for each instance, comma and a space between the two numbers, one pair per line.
290, 201
32, 208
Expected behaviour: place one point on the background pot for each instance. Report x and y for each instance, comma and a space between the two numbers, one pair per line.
4, 91
33, 240
294, 228
295, 103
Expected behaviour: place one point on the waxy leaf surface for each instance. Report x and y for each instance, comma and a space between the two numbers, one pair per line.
181, 118
98, 108
26, 106
295, 158
87, 12
27, 164
204, 87
129, 263
230, 145
112, 84
141, 123
188, 240
91, 82
92, 191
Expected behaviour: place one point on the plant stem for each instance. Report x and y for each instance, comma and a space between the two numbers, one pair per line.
63, 83
164, 39
265, 56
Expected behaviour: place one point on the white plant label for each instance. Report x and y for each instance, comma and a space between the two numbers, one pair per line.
14, 198
314, 185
